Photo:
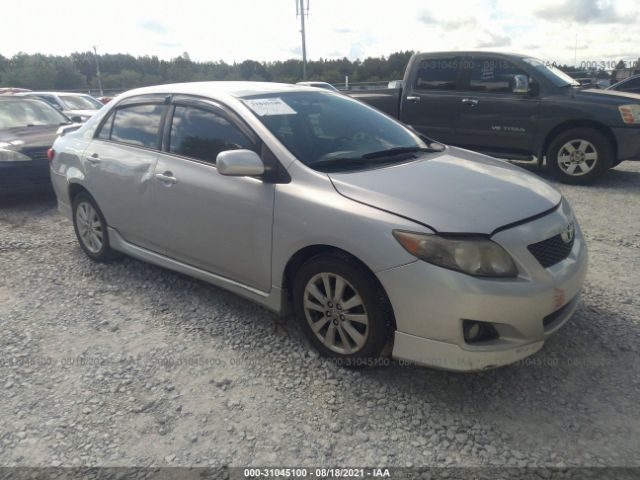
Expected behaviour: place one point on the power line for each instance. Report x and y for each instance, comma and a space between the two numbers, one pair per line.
302, 11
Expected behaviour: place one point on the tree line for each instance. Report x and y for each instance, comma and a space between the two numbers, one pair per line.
121, 71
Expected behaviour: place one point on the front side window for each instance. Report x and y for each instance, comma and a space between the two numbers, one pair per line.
202, 134
136, 125
493, 75
633, 85
330, 132
437, 74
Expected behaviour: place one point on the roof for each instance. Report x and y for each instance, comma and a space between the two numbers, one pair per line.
32, 93
473, 52
232, 89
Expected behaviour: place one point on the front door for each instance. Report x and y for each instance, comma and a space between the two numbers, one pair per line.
493, 118
216, 223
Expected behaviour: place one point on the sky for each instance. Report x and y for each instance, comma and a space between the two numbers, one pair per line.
210, 30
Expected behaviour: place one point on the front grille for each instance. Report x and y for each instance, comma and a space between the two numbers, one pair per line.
551, 251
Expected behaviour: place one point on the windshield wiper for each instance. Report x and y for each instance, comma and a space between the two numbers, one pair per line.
390, 152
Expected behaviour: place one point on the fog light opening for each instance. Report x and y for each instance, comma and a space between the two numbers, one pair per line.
476, 332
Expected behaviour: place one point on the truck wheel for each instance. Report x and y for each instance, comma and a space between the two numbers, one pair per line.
579, 156
91, 228
341, 310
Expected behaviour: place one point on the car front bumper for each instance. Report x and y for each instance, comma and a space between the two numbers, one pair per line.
628, 140
430, 303
24, 176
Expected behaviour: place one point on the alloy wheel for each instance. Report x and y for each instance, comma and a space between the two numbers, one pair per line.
336, 313
577, 157
89, 227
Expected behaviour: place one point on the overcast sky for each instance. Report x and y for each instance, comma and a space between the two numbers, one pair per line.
234, 30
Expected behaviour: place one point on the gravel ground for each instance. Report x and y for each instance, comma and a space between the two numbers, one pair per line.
127, 364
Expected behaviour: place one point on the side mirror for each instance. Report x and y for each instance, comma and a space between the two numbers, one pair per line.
76, 119
521, 84
239, 163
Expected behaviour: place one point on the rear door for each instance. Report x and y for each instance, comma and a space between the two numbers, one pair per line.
119, 165
492, 117
431, 99
217, 223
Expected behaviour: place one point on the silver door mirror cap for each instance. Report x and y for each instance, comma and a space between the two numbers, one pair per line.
239, 163
521, 84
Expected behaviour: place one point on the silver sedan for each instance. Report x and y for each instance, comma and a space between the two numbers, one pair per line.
379, 240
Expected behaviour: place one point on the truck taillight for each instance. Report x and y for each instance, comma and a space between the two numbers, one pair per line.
50, 153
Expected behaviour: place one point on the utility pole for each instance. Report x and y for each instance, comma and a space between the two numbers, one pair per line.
95, 51
302, 11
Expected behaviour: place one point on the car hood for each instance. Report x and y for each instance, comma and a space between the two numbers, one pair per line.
456, 191
37, 136
612, 95
82, 113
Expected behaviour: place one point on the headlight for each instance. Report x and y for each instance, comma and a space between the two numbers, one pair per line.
13, 156
475, 256
630, 113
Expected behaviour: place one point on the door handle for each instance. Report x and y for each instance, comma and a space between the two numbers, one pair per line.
166, 177
94, 158
413, 99
472, 102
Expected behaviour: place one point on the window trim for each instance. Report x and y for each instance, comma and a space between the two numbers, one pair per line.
162, 100
210, 106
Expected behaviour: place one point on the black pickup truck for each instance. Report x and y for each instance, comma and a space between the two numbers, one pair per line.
515, 107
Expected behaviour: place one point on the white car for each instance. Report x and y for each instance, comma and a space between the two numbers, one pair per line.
79, 107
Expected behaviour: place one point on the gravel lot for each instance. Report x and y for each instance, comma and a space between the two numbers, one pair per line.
128, 364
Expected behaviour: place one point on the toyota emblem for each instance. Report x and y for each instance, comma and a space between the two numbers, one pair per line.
569, 233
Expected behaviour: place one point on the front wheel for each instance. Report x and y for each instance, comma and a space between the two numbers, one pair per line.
341, 309
580, 156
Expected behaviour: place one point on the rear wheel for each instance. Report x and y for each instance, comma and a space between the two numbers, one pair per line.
580, 155
91, 228
341, 309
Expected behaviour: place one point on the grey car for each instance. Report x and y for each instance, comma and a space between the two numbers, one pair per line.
378, 239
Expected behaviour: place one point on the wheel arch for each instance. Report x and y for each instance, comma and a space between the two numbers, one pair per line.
568, 125
310, 251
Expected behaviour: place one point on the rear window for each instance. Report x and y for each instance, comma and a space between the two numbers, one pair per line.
136, 125
437, 74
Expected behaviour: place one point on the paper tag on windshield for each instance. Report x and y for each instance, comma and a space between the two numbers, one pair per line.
269, 106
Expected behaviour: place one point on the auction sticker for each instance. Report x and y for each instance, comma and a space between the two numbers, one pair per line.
269, 106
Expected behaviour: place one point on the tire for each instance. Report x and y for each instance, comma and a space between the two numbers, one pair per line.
579, 156
91, 228
360, 329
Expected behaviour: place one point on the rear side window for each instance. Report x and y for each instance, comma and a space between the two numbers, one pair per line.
437, 74
202, 134
493, 75
136, 125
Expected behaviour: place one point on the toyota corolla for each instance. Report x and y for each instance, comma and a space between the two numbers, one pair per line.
381, 241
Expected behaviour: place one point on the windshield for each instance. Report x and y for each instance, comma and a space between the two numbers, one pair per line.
16, 113
80, 102
555, 75
324, 128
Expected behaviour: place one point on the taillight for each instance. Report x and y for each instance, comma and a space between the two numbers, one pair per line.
50, 153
